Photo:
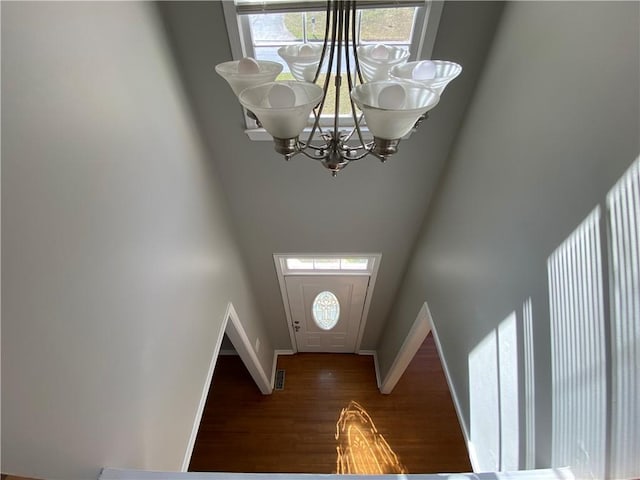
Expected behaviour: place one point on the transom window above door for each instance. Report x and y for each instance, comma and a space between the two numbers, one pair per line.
327, 264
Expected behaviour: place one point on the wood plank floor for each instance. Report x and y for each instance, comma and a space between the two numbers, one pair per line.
293, 430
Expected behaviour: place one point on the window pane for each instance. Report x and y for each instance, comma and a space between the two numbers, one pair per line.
387, 25
276, 28
316, 22
330, 102
344, 263
293, 23
300, 263
327, 263
354, 263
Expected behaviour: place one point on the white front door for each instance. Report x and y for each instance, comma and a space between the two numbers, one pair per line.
326, 311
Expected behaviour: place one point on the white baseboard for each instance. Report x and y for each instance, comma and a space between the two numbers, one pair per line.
454, 397
275, 364
228, 353
367, 352
375, 362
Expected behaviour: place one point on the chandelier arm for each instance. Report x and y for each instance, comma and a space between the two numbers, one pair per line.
338, 79
320, 157
318, 111
325, 86
297, 151
368, 150
379, 157
301, 145
347, 60
316, 121
306, 145
334, 26
327, 24
356, 120
354, 42
357, 129
349, 19
353, 130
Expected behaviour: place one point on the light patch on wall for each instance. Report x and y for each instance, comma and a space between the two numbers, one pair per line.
623, 205
484, 401
361, 448
508, 387
529, 386
578, 352
493, 399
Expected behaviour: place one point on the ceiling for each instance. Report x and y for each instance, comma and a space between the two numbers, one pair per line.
297, 207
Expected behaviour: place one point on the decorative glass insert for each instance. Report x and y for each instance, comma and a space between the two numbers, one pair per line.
326, 310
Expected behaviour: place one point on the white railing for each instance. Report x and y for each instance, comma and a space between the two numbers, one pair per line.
544, 474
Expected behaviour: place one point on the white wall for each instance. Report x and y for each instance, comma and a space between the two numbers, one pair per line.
553, 125
117, 260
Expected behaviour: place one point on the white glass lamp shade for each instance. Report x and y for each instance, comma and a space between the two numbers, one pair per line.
283, 108
303, 60
392, 108
376, 61
251, 75
435, 74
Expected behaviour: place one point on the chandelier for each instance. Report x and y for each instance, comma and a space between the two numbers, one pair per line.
388, 95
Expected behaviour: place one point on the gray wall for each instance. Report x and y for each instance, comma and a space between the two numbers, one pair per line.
554, 123
117, 258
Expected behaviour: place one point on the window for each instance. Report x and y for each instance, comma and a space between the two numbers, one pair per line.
258, 28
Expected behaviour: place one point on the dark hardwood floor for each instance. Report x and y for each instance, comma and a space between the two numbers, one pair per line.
294, 430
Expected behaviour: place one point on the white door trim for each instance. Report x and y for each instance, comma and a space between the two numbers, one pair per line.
279, 260
412, 342
236, 333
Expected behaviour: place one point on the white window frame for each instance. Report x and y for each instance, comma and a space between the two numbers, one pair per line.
239, 33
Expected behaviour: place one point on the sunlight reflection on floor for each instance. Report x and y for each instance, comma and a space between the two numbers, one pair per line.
361, 449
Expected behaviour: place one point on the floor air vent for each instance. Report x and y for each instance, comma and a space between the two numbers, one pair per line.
279, 380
